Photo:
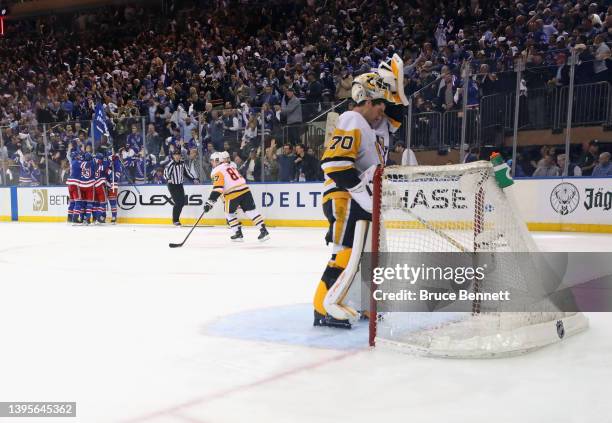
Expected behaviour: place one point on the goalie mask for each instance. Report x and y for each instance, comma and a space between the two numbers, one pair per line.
370, 86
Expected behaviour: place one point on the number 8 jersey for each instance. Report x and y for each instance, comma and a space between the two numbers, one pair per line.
228, 181
352, 149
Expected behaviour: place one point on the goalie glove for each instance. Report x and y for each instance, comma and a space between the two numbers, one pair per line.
208, 206
362, 192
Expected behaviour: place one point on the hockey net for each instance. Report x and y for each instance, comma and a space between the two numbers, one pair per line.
458, 208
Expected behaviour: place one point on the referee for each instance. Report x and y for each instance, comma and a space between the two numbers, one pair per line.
175, 173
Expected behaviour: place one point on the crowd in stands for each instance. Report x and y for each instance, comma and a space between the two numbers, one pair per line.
209, 76
549, 161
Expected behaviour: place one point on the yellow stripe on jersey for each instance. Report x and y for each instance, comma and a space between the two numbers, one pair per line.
331, 169
235, 193
343, 144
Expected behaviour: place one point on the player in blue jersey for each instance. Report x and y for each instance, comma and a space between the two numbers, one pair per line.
74, 193
99, 203
113, 176
86, 185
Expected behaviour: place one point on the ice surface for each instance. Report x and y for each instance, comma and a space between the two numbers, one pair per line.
112, 318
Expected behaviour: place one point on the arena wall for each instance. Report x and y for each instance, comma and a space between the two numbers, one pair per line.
5, 204
571, 204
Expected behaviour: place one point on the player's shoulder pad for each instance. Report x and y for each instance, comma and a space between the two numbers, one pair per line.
351, 120
217, 170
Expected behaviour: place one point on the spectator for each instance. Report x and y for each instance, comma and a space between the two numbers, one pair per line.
344, 84
314, 96
215, 130
271, 164
602, 54
64, 172
306, 166
157, 176
268, 96
547, 167
193, 163
250, 133
134, 139
187, 125
291, 110
153, 141
408, 157
286, 164
251, 168
572, 170
588, 159
536, 77
471, 155
604, 167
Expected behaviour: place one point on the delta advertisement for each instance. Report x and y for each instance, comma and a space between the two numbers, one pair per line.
572, 204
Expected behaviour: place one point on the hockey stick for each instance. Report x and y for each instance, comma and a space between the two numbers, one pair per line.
172, 245
435, 230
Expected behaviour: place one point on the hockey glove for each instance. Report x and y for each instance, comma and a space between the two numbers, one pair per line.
208, 206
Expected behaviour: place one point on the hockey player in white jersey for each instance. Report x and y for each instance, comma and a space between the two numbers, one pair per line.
228, 182
351, 156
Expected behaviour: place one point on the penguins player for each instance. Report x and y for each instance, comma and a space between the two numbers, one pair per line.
228, 182
348, 163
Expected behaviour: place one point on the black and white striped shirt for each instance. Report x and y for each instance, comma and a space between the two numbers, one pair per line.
175, 172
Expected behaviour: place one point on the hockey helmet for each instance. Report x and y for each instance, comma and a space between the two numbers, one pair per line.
87, 156
369, 86
224, 155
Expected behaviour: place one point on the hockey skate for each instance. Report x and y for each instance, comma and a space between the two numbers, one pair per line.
237, 237
114, 221
321, 320
264, 235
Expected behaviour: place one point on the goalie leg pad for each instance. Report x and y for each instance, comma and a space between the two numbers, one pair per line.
330, 275
333, 302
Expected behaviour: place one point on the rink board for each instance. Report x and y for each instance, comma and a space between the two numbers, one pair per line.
280, 204
571, 204
5, 204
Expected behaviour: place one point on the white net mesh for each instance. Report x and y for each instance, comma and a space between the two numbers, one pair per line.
460, 208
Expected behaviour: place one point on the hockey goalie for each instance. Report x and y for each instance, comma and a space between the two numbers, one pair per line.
351, 156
